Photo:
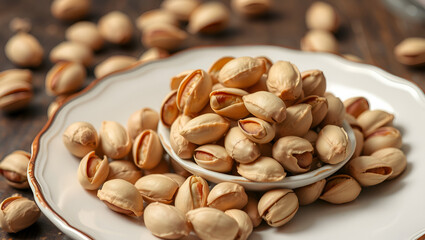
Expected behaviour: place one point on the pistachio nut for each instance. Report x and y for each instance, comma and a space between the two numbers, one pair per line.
157, 188
153, 54
80, 138
164, 36
124, 169
116, 27
319, 41
169, 112
227, 195
64, 78
215, 68
15, 95
332, 144
156, 16
165, 221
251, 208
278, 206
294, 153
310, 193
70, 10
261, 85
85, 32
73, 52
192, 194
114, 140
113, 64
179, 179
370, 120
182, 9
411, 51
17, 213
24, 50
212, 224
368, 170
242, 72
382, 138
336, 111
265, 105
311, 136
257, 130
322, 16
284, 80
356, 106
177, 79
14, 169
92, 171
319, 108
122, 197
394, 158
213, 157
192, 94
244, 223
161, 168
313, 82
340, 189
228, 102
147, 150
251, 8
239, 147
297, 122
206, 128
140, 120
209, 18
15, 75
263, 169
180, 145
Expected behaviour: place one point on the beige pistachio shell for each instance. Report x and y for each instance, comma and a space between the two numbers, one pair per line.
124, 169
310, 193
213, 157
177, 79
64, 78
336, 111
368, 170
263, 169
251, 8
161, 168
239, 147
80, 138
319, 108
176, 177
182, 9
294, 153
371, 120
393, 157
165, 221
382, 138
215, 68
113, 64
15, 75
164, 36
156, 16
157, 188
242, 72
179, 170
116, 27
265, 105
411, 51
70, 10
251, 208
356, 106
169, 112
314, 82
206, 128
15, 95
227, 195
332, 144
340, 189
359, 142
321, 15
180, 145
209, 18
153, 54
92, 171
311, 136
228, 102
192, 194
297, 122
24, 50
257, 130
319, 41
147, 150
284, 80
73, 52
17, 213
142, 119
278, 206
261, 85
244, 223
122, 197
193, 92
85, 32
14, 169
114, 140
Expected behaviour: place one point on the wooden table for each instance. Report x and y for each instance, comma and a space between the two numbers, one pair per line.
369, 30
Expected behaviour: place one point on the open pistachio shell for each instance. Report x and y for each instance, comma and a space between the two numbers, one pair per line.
14, 169
17, 213
92, 171
239, 147
263, 169
163, 36
215, 68
147, 150
213, 157
336, 111
192, 194
205, 128
180, 145
169, 111
257, 130
265, 105
193, 92
393, 157
251, 208
80, 138
15, 95
284, 80
319, 108
177, 79
227, 195
142, 119
340, 189
371, 120
278, 206
368, 170
242, 72
297, 122
294, 153
310, 193
64, 78
157, 188
228, 102
332, 144
114, 140
244, 223
382, 138
356, 106
314, 83
124, 169
209, 18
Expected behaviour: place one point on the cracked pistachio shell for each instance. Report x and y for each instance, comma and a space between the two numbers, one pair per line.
228, 102
165, 221
193, 92
319, 41
314, 82
370, 120
263, 169
368, 170
169, 112
80, 138
251, 8
278, 206
180, 145
177, 79
340, 189
209, 18
393, 157
251, 208
24, 50
336, 111
122, 197
113, 64
215, 68
157, 188
192, 194
321, 15
124, 169
311, 136
64, 78
92, 171
265, 105
244, 223
164, 36
85, 32
114, 140
284, 80
297, 122
257, 130
147, 150
356, 106
239, 147
14, 169
242, 72
227, 195
319, 108
213, 157
310, 193
142, 119
156, 16
70, 10
205, 128
182, 9
15, 75
332, 144
382, 138
15, 95
176, 177
73, 52
411, 51
294, 153
17, 213
116, 27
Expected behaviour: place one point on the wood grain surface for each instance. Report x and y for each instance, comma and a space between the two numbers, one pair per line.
369, 30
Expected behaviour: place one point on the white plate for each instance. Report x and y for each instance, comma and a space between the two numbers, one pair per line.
392, 210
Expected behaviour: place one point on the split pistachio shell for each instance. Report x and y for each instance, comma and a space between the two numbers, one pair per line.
180, 145
17, 213
114, 140
15, 95
64, 78
321, 15
164, 36
336, 111
310, 193
80, 138
193, 92
124, 169
382, 138
192, 194
156, 16
113, 64
209, 18
341, 189
116, 27
393, 157
15, 75
257, 130
411, 51
169, 111
278, 206
371, 120
227, 195
205, 128
182, 9
368, 170
242, 72
140, 120
284, 80
70, 10
152, 54
332, 144
263, 169
86, 33
265, 105
92, 171
251, 8
319, 108
177, 79
147, 150
239, 147
294, 153
165, 221
122, 197
297, 122
244, 223
251, 208
14, 169
319, 41
24, 50
176, 177
213, 157
157, 188
215, 68
73, 52
356, 106
228, 102
161, 168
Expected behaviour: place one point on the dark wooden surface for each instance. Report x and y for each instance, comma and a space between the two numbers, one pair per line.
369, 30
